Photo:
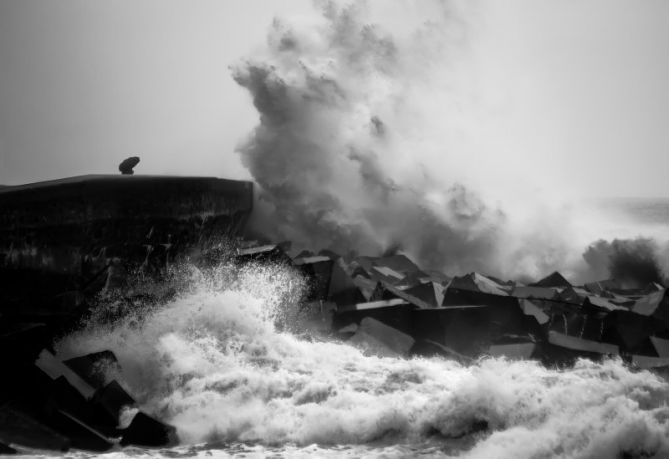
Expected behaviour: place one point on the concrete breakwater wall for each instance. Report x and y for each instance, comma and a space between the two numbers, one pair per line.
63, 239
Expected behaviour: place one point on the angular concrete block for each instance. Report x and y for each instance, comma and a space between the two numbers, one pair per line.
147, 431
531, 309
318, 271
380, 339
479, 283
82, 434
20, 428
552, 280
661, 346
394, 313
350, 328
111, 399
94, 368
52, 366
647, 362
579, 344
544, 293
429, 348
516, 351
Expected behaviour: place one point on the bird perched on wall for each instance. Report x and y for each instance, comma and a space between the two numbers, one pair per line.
127, 164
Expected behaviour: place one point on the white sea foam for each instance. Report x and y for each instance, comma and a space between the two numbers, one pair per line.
213, 363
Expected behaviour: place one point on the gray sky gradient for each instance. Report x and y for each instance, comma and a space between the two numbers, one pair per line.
579, 88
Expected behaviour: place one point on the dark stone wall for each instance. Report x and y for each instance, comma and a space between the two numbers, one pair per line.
67, 235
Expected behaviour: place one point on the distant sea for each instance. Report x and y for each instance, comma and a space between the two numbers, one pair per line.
652, 211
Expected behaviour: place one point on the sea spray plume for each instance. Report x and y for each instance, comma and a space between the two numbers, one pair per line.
225, 302
633, 262
365, 141
326, 157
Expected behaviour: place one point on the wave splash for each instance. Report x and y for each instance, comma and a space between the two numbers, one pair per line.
375, 136
215, 363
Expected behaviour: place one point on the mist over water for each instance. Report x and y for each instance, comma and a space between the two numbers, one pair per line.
214, 363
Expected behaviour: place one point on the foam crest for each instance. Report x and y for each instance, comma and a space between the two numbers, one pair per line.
213, 363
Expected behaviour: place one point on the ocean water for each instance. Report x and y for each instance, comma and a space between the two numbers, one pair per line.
222, 364
642, 211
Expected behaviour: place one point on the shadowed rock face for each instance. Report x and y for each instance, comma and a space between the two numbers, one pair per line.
58, 235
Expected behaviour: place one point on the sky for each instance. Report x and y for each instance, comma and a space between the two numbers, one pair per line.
576, 90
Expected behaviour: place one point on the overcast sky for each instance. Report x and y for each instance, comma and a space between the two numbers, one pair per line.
581, 86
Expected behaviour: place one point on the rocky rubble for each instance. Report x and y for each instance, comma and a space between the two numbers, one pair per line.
55, 405
473, 315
